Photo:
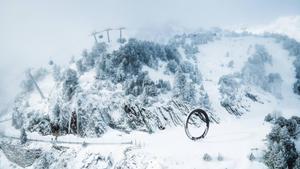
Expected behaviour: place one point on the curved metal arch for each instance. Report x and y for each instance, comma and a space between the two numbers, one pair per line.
204, 117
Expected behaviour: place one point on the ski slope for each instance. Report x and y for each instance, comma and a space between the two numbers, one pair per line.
171, 148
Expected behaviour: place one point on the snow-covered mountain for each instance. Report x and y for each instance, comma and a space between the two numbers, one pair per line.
289, 25
142, 91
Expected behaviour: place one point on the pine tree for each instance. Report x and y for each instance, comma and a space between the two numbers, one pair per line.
151, 90
56, 112
27, 84
180, 83
220, 157
230, 64
206, 157
56, 72
281, 153
251, 157
196, 75
172, 66
269, 118
279, 160
188, 93
254, 71
290, 152
187, 67
274, 157
23, 136
80, 67
284, 134
274, 82
120, 72
297, 163
17, 118
292, 126
70, 83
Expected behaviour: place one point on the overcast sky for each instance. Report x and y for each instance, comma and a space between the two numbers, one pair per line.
33, 32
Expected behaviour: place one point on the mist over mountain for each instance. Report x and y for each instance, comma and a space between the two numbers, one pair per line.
289, 25
32, 33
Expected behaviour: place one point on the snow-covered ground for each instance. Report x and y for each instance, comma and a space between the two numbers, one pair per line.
170, 148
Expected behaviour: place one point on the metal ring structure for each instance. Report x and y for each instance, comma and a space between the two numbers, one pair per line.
204, 117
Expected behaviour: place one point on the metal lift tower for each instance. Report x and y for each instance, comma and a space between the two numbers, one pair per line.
107, 33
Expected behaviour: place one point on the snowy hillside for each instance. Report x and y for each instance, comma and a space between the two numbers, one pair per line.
289, 25
139, 93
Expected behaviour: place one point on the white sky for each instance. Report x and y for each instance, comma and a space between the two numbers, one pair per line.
34, 31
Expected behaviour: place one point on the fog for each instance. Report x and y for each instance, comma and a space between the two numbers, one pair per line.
33, 32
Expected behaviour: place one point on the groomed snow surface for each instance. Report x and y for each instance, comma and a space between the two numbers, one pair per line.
233, 139
171, 148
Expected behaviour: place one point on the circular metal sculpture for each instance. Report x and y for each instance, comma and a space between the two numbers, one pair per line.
197, 124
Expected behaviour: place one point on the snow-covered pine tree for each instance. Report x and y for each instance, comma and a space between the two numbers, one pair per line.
189, 93
180, 83
279, 160
70, 83
220, 157
88, 59
17, 118
187, 67
274, 82
172, 66
251, 157
23, 136
292, 127
288, 147
80, 66
27, 84
281, 151
120, 72
297, 163
254, 71
163, 86
269, 118
207, 157
56, 72
56, 113
151, 90
195, 75
274, 157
